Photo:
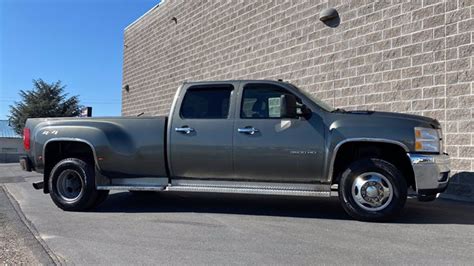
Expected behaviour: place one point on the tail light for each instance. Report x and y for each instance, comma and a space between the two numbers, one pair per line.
26, 138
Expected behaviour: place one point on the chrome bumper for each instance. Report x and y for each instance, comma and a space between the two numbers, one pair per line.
431, 172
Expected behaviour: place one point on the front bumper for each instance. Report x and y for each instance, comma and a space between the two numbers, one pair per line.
431, 172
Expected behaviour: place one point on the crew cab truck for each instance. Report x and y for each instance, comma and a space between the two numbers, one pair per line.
247, 137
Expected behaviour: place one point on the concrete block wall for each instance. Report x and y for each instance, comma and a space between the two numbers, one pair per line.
388, 55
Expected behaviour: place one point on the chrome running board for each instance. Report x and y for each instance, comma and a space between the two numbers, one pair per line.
143, 183
257, 191
257, 188
134, 188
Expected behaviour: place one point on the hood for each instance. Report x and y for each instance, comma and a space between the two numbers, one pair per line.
418, 118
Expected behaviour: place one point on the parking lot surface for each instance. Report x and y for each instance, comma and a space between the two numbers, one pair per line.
172, 228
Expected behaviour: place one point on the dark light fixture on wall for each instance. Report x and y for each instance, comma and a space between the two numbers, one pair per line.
175, 20
126, 88
330, 17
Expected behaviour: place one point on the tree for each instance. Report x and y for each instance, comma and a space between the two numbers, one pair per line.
43, 100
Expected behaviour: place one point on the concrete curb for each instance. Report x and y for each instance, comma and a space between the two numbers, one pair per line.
29, 225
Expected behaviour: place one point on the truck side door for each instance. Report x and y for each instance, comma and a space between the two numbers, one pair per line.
201, 132
268, 148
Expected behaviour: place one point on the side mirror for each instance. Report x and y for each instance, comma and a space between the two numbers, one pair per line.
288, 106
305, 111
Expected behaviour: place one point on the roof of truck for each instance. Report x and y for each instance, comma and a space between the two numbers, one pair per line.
236, 80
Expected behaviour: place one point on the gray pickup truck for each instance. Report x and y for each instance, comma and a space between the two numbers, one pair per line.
247, 137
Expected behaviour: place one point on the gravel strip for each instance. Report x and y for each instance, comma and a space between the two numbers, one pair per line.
17, 244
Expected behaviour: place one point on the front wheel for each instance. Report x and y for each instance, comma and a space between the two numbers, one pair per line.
72, 185
372, 190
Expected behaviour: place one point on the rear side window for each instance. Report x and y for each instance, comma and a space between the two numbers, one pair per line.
206, 102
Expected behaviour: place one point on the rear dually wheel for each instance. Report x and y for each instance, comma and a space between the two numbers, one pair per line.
72, 185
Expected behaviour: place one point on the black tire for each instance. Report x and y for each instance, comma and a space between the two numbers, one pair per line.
83, 175
380, 170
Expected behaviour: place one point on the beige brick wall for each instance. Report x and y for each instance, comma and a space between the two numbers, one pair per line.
400, 56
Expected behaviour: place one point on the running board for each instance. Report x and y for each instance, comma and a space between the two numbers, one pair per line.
257, 188
134, 188
257, 191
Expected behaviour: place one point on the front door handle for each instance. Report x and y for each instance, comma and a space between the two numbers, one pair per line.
247, 130
184, 130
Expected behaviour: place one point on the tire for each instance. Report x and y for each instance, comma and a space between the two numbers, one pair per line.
72, 185
372, 190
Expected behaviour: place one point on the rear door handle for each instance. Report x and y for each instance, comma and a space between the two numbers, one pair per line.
184, 130
247, 130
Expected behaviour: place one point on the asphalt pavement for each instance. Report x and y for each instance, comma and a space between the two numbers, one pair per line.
198, 229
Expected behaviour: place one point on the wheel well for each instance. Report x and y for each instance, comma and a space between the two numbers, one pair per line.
393, 153
58, 150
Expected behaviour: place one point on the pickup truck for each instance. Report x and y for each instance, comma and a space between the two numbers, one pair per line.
246, 137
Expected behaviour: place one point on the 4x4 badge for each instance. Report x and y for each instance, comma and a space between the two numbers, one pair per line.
50, 132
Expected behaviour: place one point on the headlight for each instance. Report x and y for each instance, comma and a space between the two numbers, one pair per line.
426, 139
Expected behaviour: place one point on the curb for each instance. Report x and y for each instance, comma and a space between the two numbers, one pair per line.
29, 225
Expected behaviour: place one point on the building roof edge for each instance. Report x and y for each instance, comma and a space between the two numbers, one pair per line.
146, 13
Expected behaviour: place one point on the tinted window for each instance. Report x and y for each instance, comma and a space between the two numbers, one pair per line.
206, 102
261, 101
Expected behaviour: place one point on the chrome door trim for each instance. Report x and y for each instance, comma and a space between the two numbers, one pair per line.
380, 140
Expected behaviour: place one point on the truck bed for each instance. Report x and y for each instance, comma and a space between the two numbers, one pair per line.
123, 147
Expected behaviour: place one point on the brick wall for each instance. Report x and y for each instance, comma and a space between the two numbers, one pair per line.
400, 56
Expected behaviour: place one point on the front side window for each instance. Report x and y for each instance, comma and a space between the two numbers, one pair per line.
261, 101
206, 102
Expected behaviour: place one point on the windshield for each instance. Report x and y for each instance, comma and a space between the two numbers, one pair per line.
319, 102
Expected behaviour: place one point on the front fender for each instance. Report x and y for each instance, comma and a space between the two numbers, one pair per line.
345, 131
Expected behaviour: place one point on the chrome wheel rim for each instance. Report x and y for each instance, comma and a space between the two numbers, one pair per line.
372, 191
70, 185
